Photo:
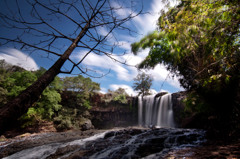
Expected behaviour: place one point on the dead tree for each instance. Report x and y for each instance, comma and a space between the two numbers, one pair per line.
56, 28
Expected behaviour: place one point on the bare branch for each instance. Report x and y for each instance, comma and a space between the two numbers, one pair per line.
57, 28
89, 18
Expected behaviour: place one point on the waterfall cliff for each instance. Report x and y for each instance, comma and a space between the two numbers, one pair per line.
155, 111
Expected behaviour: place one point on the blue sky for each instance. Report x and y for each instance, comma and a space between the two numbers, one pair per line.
120, 75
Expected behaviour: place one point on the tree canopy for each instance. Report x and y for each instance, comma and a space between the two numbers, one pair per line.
142, 84
199, 41
50, 107
80, 84
83, 87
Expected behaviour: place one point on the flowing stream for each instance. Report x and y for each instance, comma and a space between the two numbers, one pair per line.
124, 143
42, 152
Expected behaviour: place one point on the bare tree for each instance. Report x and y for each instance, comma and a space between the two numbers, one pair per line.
57, 28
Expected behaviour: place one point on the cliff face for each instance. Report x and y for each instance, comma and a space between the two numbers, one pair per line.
113, 114
178, 108
106, 115
106, 119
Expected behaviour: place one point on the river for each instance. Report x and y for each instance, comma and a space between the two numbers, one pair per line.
116, 143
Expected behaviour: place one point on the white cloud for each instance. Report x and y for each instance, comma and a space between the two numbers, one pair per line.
145, 23
16, 57
133, 60
104, 62
153, 91
127, 38
125, 45
175, 83
102, 31
163, 90
120, 9
103, 90
127, 88
127, 73
159, 73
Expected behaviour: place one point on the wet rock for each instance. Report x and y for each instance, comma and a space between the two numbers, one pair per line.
123, 143
85, 124
2, 138
212, 149
109, 134
160, 94
11, 146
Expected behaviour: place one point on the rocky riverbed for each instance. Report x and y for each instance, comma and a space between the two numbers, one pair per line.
115, 143
27, 140
211, 149
132, 142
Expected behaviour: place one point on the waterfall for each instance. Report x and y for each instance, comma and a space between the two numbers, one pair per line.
155, 111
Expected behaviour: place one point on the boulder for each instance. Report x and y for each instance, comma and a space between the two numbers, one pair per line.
160, 94
85, 124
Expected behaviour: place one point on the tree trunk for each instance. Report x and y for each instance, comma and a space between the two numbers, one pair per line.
14, 109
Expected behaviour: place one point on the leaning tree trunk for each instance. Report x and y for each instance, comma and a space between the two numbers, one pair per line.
14, 109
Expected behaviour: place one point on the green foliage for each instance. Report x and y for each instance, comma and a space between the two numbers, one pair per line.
83, 87
8, 78
48, 103
76, 95
83, 100
70, 118
63, 122
118, 96
80, 84
3, 96
30, 118
3, 90
143, 83
14, 80
198, 40
78, 91
121, 98
196, 104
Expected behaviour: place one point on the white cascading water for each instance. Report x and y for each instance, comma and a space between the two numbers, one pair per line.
44, 151
155, 111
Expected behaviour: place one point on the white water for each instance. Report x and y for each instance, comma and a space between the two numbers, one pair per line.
41, 152
156, 112
125, 143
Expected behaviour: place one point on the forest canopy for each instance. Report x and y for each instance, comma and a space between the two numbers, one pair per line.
14, 79
197, 40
